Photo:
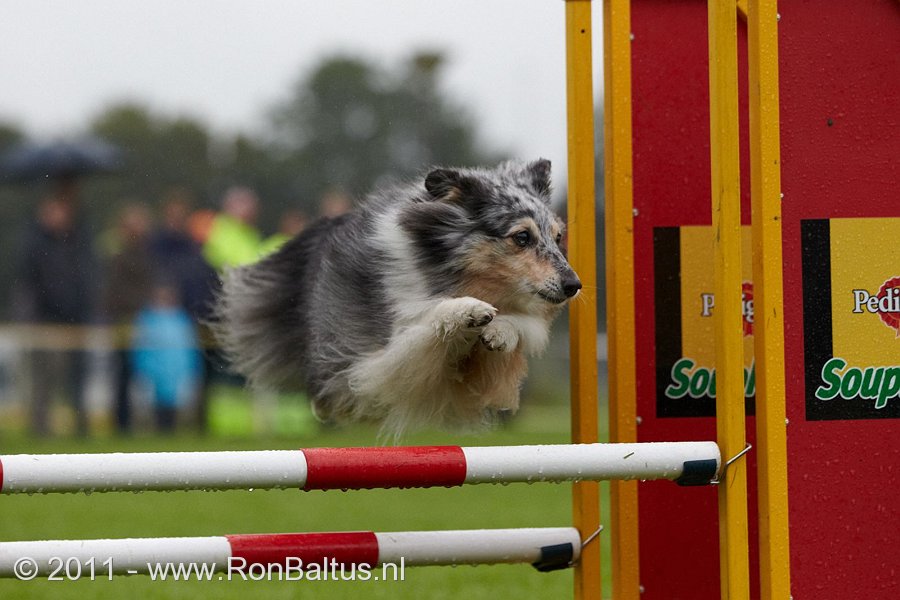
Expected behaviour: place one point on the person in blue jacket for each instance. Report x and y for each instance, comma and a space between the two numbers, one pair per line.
165, 355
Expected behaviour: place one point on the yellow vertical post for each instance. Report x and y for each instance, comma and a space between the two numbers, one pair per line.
765, 191
726, 218
582, 255
620, 287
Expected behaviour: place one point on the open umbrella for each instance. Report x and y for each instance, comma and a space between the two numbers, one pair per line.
59, 160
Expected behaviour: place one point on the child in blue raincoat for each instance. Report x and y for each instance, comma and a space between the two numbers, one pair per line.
165, 355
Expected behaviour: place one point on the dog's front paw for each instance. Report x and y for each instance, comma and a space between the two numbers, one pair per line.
457, 314
500, 336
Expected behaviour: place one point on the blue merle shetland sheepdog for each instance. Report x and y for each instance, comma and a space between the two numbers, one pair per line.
417, 309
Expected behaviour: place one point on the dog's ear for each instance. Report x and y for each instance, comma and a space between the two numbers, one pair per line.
448, 184
539, 173
441, 183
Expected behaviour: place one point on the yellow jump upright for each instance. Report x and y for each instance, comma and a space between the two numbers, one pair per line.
765, 192
582, 256
726, 220
620, 321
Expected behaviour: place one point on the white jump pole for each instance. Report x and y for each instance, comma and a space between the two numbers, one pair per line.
546, 548
687, 463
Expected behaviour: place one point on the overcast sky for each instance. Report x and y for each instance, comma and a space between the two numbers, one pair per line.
226, 62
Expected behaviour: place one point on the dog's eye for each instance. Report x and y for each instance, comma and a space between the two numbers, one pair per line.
558, 239
521, 238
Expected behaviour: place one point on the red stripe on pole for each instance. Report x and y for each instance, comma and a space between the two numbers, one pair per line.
345, 548
1, 475
366, 468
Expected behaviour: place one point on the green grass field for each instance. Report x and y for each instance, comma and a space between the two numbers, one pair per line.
195, 513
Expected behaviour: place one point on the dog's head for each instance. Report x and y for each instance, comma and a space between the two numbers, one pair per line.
492, 234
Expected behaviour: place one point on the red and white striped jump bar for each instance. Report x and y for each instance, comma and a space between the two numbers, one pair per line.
687, 463
546, 548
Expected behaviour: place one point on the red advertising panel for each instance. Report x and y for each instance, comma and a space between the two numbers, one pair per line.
840, 137
840, 101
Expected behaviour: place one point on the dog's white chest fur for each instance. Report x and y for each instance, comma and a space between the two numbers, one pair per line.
459, 359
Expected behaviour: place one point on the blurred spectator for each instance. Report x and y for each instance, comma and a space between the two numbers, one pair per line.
165, 355
55, 286
129, 279
233, 239
292, 222
179, 260
178, 257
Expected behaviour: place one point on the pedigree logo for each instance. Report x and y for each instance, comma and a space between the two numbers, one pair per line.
708, 303
885, 303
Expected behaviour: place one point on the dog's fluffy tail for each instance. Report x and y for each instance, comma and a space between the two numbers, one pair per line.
260, 315
252, 325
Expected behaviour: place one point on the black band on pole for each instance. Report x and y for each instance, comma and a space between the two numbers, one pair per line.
698, 472
555, 557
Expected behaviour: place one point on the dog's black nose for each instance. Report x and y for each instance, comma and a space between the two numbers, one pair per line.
571, 285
